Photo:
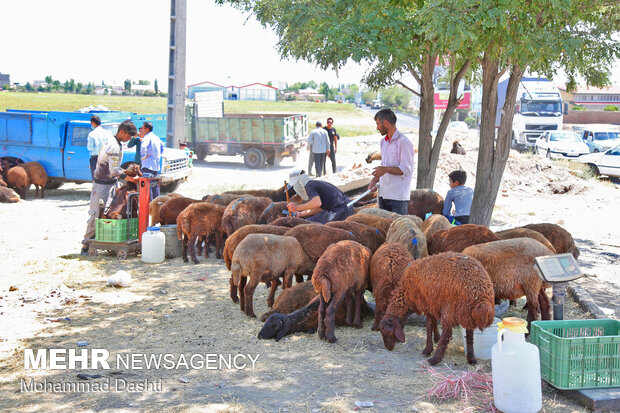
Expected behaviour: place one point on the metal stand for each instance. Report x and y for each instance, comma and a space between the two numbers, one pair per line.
559, 292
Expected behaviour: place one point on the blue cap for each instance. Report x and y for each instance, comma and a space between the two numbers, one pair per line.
152, 228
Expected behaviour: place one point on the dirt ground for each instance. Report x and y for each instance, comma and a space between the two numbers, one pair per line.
60, 298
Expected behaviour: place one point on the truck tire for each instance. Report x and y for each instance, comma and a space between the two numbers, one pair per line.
170, 186
254, 158
53, 184
200, 153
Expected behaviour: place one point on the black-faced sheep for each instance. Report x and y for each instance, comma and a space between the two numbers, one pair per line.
236, 237
373, 156
8, 196
525, 233
17, 178
36, 176
457, 148
265, 258
434, 223
458, 238
272, 212
289, 222
314, 238
423, 201
451, 288
387, 266
404, 232
369, 237
200, 219
169, 211
382, 224
340, 274
510, 264
560, 238
243, 211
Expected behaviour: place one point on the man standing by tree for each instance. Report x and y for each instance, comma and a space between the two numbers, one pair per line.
151, 149
396, 170
96, 138
318, 145
333, 143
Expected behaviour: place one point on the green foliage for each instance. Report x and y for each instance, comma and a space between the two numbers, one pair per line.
611, 108
395, 97
156, 87
127, 85
471, 122
71, 102
578, 108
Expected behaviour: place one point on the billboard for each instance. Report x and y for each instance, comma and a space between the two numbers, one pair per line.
442, 96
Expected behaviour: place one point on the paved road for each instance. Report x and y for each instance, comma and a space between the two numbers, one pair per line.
404, 121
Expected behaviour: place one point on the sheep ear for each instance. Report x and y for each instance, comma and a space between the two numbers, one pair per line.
398, 331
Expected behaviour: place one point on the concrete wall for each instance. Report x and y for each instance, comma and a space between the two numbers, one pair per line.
584, 116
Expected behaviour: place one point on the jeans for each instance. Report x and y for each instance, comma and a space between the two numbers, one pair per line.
460, 220
147, 173
99, 191
93, 165
310, 162
319, 162
332, 158
400, 207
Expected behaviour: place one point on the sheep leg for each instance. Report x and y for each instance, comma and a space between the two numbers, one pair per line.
205, 240
249, 296
357, 321
191, 245
435, 331
348, 303
532, 308
545, 306
42, 192
185, 240
272, 293
321, 319
469, 339
218, 246
380, 308
299, 278
330, 316
430, 322
446, 335
242, 281
233, 291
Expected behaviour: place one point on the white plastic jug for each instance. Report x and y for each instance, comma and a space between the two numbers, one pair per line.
516, 369
483, 340
153, 246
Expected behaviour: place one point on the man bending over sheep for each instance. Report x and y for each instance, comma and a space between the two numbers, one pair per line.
323, 201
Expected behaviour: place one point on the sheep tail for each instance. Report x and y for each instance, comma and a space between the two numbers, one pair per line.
483, 313
179, 232
326, 287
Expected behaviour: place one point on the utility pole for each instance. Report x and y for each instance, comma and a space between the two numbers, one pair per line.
175, 131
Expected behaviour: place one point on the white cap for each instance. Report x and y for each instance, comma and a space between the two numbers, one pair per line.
295, 176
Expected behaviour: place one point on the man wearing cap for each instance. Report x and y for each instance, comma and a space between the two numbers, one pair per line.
323, 202
396, 170
318, 145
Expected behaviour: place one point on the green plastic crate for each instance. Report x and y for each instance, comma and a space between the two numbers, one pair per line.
115, 230
578, 354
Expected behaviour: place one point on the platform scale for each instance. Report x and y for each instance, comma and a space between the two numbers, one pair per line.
557, 270
123, 248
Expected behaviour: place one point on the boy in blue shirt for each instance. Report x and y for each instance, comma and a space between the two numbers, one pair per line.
461, 196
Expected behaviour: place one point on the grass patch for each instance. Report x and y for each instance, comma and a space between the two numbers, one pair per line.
578, 169
314, 110
72, 102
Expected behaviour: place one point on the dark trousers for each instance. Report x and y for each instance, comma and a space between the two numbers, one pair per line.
319, 162
332, 158
147, 173
93, 165
339, 214
458, 220
400, 207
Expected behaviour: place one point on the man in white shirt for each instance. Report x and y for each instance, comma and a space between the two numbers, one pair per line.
96, 138
318, 145
151, 150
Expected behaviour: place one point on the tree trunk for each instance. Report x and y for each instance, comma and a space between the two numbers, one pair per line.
426, 172
493, 153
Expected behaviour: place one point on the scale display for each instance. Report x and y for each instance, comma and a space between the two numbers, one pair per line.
557, 268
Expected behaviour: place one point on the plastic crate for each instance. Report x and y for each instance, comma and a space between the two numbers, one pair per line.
115, 230
578, 354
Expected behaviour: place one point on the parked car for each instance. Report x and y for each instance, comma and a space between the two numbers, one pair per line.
599, 140
561, 145
604, 163
458, 126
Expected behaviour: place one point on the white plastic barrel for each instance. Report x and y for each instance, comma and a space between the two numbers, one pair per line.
483, 340
516, 369
153, 246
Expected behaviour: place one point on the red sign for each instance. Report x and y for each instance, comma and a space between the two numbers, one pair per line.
441, 100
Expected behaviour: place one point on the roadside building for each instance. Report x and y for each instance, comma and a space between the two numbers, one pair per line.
590, 97
5, 80
252, 91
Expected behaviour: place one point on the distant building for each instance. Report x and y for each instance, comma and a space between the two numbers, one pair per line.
5, 80
591, 98
253, 91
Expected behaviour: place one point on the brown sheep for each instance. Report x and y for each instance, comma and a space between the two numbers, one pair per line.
434, 223
457, 148
224, 199
525, 233
175, 195
403, 231
368, 236
236, 237
8, 196
451, 288
17, 178
510, 264
243, 211
423, 201
374, 210
154, 207
560, 238
292, 299
458, 238
416, 220
289, 222
118, 204
340, 274
314, 238
36, 176
387, 266
382, 224
276, 195
272, 212
2, 183
200, 219
373, 156
265, 258
170, 210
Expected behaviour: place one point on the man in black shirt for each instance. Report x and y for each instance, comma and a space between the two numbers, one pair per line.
333, 144
323, 202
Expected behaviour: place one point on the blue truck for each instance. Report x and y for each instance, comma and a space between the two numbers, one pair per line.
57, 140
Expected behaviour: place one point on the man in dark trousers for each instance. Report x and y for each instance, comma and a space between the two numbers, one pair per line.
333, 144
323, 202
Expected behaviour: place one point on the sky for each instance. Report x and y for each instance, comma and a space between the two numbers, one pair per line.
113, 40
